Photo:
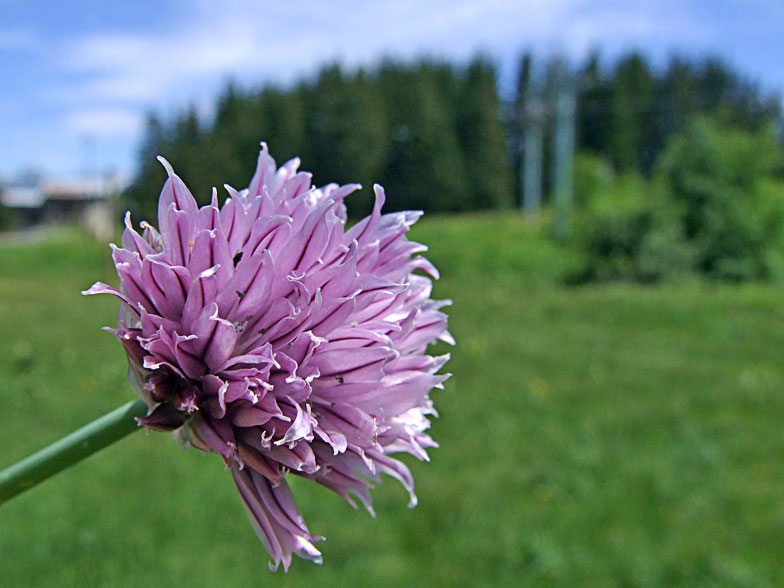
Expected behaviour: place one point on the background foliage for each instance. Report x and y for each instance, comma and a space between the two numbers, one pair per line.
679, 169
430, 133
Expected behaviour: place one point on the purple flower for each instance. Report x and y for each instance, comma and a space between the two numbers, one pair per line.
266, 331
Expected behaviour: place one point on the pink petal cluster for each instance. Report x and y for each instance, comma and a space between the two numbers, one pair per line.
266, 331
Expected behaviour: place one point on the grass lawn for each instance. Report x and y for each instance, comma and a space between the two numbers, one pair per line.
609, 435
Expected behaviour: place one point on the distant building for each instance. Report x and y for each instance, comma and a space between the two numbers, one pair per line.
89, 202
25, 197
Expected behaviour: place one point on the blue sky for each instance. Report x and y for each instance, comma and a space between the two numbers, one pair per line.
78, 76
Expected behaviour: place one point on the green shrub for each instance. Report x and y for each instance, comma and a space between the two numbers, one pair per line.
592, 175
771, 202
732, 209
627, 230
714, 206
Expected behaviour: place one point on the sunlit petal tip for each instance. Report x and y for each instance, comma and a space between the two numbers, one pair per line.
166, 165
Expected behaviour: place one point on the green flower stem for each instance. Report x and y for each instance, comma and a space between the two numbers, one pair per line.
71, 449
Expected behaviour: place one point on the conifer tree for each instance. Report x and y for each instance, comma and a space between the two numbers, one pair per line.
141, 197
233, 141
593, 104
426, 167
187, 154
631, 108
482, 138
281, 122
345, 132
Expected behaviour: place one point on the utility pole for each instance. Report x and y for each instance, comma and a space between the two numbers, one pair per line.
563, 147
533, 136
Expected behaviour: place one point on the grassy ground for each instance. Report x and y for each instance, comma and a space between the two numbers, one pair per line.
604, 436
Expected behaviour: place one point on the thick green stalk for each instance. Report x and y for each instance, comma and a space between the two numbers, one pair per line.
71, 449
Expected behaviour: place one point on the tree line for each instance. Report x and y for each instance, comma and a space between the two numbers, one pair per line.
629, 113
429, 132
438, 136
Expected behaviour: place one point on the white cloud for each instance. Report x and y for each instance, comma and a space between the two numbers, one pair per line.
152, 67
101, 83
281, 41
101, 123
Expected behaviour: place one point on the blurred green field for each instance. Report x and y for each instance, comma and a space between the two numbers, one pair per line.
609, 435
